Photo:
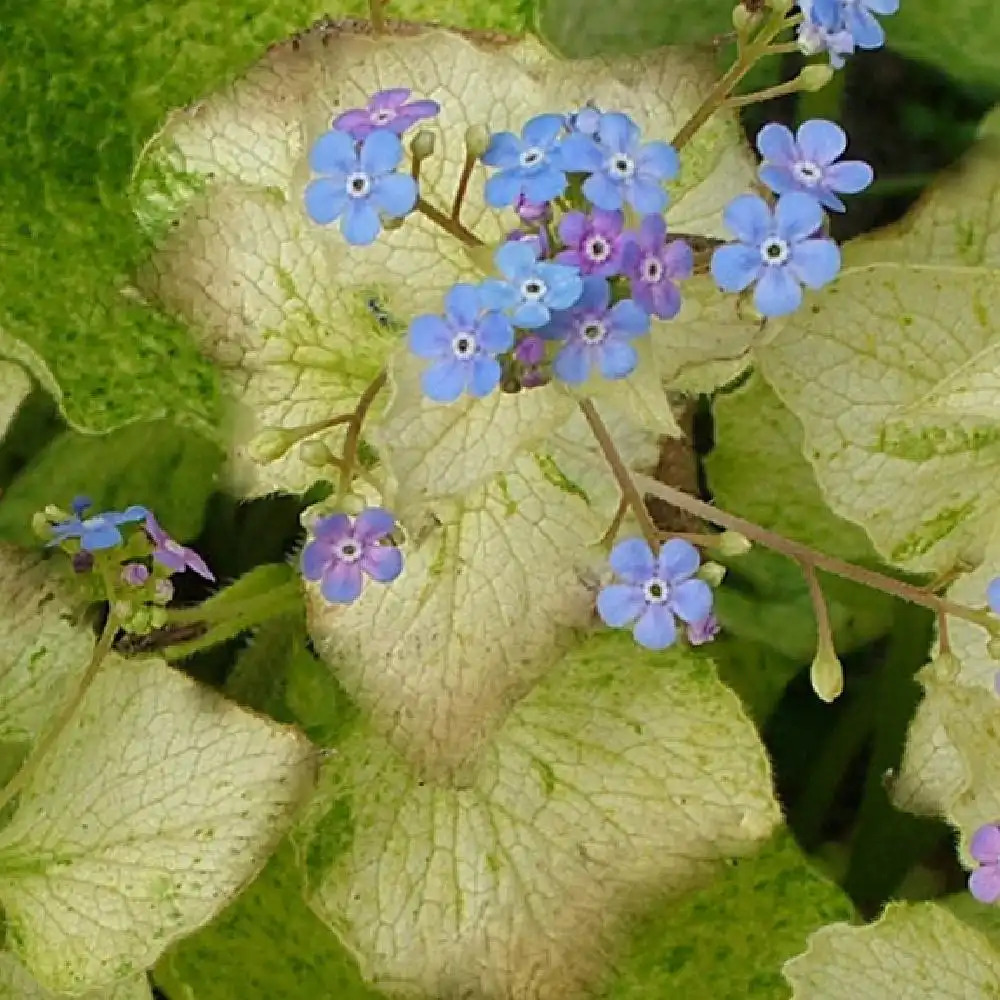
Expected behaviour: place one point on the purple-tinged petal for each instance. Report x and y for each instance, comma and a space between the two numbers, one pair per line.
332, 528
618, 359
652, 232
646, 196
993, 595
175, 561
594, 296
777, 293
985, 844
656, 628
678, 259
677, 560
572, 363
503, 150
775, 144
155, 532
394, 194
445, 381
463, 303
416, 110
342, 583
607, 224
735, 266
372, 524
360, 223
531, 350
698, 633
821, 141
381, 152
572, 227
333, 152
430, 337
620, 604
486, 373
691, 601
602, 192
984, 884
663, 299
392, 98
316, 556
633, 560
797, 216
325, 199
494, 333
849, 176
199, 566
748, 218
357, 123
383, 563
814, 262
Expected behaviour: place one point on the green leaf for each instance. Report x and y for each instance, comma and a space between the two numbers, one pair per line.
487, 600
728, 940
14, 388
577, 28
301, 321
167, 468
16, 984
622, 775
887, 369
265, 945
914, 951
154, 806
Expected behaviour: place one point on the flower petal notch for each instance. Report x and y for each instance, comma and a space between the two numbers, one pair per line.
153, 807
594, 794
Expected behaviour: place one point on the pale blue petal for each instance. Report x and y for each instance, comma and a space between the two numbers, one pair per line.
749, 218
380, 152
659, 159
333, 152
849, 177
541, 130
383, 563
462, 305
497, 294
777, 293
646, 196
617, 359
656, 628
628, 319
503, 188
494, 333
864, 28
316, 556
618, 132
325, 199
797, 216
633, 560
485, 378
775, 144
821, 141
559, 327
578, 153
814, 262
342, 583
430, 337
372, 524
445, 381
620, 604
780, 180
691, 600
503, 150
360, 223
565, 285
100, 536
394, 194
882, 6
993, 595
572, 363
735, 266
531, 315
514, 258
544, 185
677, 560
601, 191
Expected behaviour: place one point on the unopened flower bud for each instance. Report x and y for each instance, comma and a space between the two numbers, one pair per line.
744, 20
139, 622
157, 617
422, 144
134, 574
270, 445
732, 544
316, 454
815, 76
121, 610
41, 526
945, 666
712, 573
55, 514
477, 140
83, 562
163, 591
827, 674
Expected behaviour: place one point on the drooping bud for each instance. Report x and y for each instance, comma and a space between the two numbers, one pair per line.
477, 140
134, 574
316, 454
422, 144
271, 444
827, 674
815, 76
732, 544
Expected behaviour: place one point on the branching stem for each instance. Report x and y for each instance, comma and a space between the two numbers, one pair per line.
451, 226
351, 442
463, 185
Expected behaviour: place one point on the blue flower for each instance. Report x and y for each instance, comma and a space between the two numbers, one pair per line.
621, 168
463, 345
529, 166
657, 590
779, 252
359, 183
596, 335
532, 288
837, 26
98, 532
587, 120
806, 163
993, 595
830, 35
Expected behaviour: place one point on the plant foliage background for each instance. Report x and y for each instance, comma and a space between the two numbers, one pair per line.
321, 880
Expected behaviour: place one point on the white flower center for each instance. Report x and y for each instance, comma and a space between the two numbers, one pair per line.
348, 551
464, 345
383, 116
592, 331
656, 591
597, 249
808, 173
533, 289
774, 251
358, 185
531, 157
621, 166
652, 270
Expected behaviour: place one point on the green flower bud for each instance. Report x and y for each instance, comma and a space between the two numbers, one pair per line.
316, 454
732, 544
353, 504
815, 76
55, 514
945, 666
827, 674
744, 20
140, 623
712, 573
477, 140
157, 617
270, 445
41, 526
422, 144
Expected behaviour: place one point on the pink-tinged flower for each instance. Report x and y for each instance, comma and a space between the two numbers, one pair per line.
532, 211
654, 265
176, 557
984, 882
344, 550
698, 633
387, 109
134, 574
594, 243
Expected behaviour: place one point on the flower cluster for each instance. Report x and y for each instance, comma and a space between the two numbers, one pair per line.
133, 569
575, 287
358, 160
838, 27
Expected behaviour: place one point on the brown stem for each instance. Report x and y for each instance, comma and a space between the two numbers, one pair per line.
807, 556
824, 633
463, 186
616, 523
353, 437
944, 637
377, 17
630, 494
450, 226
